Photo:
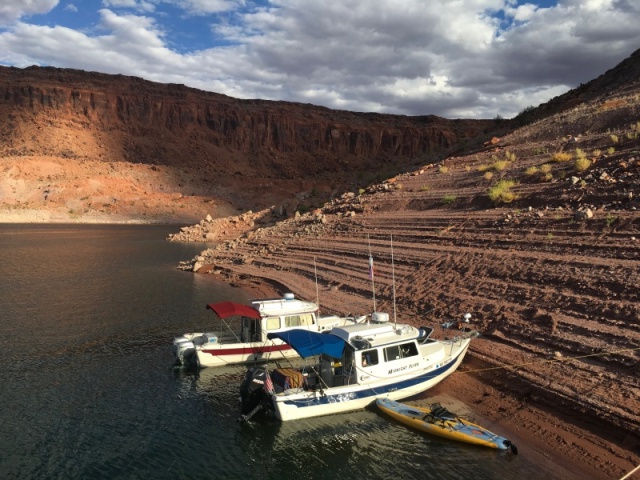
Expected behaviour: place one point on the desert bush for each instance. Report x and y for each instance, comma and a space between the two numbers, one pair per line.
540, 151
443, 169
561, 157
614, 138
582, 164
488, 175
447, 199
611, 150
597, 153
532, 170
548, 177
545, 168
424, 188
501, 192
580, 153
500, 165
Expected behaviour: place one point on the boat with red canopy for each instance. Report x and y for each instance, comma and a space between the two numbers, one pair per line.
242, 336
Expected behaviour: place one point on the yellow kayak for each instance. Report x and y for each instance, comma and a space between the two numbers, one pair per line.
437, 420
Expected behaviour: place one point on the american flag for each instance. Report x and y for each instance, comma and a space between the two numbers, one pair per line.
268, 384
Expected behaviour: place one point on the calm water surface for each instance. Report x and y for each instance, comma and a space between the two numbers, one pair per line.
88, 390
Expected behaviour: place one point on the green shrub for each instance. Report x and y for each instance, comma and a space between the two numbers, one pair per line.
500, 165
546, 168
501, 192
561, 157
611, 150
614, 138
610, 220
582, 164
532, 170
488, 175
447, 199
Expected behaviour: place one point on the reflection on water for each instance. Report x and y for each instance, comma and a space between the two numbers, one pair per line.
89, 390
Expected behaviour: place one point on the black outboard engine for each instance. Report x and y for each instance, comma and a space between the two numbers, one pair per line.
252, 393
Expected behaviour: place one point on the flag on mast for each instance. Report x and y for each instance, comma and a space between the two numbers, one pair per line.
370, 267
268, 384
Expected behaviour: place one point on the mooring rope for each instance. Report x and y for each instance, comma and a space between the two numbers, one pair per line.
631, 473
550, 360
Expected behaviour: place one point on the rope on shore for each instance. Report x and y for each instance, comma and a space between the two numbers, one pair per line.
550, 360
631, 473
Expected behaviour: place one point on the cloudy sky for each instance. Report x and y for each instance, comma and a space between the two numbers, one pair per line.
454, 58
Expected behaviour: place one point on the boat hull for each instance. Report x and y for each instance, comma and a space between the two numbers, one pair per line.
228, 354
452, 428
295, 404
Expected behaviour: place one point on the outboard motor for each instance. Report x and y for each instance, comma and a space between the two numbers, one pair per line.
252, 393
184, 351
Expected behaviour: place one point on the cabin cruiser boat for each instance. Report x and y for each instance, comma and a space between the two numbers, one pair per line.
356, 364
243, 337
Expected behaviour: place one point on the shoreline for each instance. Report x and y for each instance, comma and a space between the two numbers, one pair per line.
45, 217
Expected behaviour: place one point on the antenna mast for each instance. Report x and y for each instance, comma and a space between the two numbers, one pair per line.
315, 271
373, 285
393, 276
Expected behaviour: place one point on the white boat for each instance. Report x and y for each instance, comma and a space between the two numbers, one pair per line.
243, 336
356, 365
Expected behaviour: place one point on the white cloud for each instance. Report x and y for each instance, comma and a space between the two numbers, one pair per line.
138, 5
456, 59
206, 7
12, 10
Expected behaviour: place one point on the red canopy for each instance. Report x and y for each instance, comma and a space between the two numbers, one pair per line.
228, 309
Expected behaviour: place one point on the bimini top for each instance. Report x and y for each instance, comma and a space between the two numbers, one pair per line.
308, 343
229, 309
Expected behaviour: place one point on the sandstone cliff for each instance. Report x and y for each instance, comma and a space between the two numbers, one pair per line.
220, 141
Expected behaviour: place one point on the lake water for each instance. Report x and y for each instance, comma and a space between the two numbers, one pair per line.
88, 389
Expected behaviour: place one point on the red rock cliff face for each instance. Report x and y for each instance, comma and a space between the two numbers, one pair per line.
142, 121
200, 147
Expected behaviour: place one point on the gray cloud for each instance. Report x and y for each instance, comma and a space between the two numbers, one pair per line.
471, 58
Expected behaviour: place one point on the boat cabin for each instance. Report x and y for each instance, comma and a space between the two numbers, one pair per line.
374, 352
262, 317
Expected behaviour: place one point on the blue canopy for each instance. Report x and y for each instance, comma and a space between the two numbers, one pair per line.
308, 343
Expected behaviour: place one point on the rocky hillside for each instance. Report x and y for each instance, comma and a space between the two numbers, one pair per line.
81, 145
536, 234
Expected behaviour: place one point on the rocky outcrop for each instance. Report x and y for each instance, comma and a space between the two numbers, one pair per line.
202, 121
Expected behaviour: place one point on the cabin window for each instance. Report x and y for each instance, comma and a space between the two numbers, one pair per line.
292, 321
298, 320
369, 358
306, 319
402, 351
272, 323
408, 350
392, 353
